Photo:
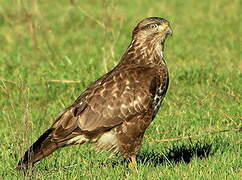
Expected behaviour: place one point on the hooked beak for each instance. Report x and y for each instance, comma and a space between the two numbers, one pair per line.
165, 29
169, 31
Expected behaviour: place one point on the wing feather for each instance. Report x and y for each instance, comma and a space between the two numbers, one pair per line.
118, 98
110, 101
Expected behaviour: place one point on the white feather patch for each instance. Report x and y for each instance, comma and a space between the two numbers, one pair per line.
78, 140
108, 141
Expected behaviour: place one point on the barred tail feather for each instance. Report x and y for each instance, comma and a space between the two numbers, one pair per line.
37, 151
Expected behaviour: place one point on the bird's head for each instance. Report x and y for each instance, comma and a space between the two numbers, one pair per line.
147, 45
152, 29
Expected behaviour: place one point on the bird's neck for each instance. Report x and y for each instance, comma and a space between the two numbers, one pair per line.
144, 52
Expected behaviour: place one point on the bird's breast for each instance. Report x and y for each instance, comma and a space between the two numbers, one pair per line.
161, 89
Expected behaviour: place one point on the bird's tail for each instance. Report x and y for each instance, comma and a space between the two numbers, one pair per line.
43, 147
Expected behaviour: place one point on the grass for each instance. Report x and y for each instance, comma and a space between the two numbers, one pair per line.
42, 41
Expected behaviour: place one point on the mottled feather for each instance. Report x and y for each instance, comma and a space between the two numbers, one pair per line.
115, 111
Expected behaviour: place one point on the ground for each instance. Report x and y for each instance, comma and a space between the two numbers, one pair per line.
52, 50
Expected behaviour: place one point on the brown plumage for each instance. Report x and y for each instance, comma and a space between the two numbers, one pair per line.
114, 111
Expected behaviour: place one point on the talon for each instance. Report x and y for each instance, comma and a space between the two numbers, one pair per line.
133, 163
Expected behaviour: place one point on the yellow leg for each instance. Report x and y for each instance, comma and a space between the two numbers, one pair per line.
133, 163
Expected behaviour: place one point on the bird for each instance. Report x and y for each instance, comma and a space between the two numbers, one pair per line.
115, 111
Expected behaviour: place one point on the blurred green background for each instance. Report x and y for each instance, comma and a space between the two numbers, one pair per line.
52, 50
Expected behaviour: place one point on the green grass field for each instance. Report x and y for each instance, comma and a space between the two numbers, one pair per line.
52, 50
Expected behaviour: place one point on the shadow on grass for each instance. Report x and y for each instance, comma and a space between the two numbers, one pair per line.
174, 155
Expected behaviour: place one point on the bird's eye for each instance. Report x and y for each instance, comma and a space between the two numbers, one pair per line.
152, 26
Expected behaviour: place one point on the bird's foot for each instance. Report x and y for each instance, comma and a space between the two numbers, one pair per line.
133, 163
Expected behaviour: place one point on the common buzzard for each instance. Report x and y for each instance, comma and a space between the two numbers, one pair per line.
114, 112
